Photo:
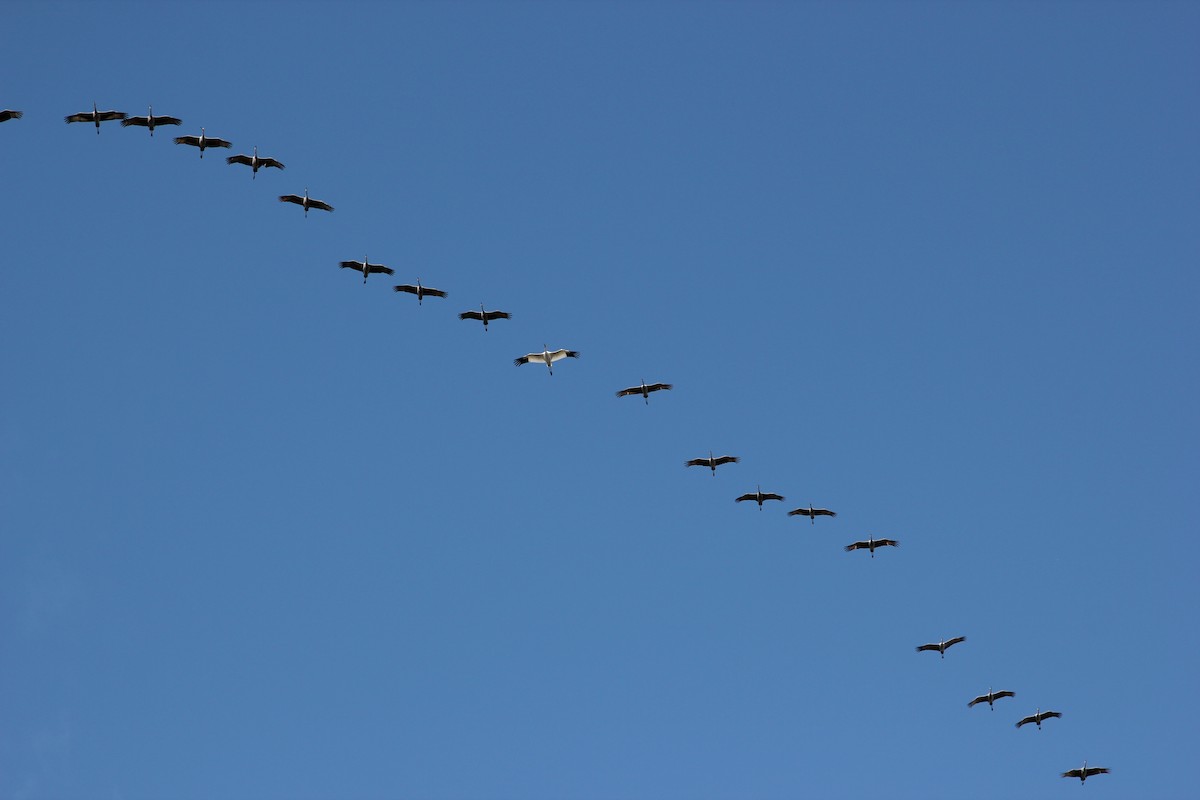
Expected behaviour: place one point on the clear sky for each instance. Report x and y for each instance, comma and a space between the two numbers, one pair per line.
269, 532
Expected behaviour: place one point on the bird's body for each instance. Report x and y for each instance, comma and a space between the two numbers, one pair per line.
871, 544
8, 114
990, 698
812, 513
942, 646
202, 141
484, 316
150, 121
305, 202
97, 116
1085, 772
1037, 717
712, 463
253, 162
758, 496
419, 290
366, 268
547, 357
644, 390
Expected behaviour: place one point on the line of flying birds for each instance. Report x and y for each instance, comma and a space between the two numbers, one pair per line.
546, 356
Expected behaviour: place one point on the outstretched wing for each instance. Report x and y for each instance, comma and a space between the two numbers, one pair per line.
380, 269
166, 121
802, 512
432, 292
142, 121
538, 357
981, 699
998, 695
922, 647
404, 287
8, 114
559, 355
355, 265
949, 642
1027, 720
194, 141
240, 159
772, 496
745, 497
80, 117
108, 116
1097, 771
725, 460
475, 315
658, 387
1050, 715
317, 204
283, 198
629, 391
210, 141
1072, 773
491, 315
269, 162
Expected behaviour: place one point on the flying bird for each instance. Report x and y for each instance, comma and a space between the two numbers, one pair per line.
8, 114
150, 121
366, 268
484, 316
712, 463
758, 496
871, 544
1037, 717
812, 513
942, 646
1085, 772
97, 116
202, 141
419, 290
546, 357
990, 698
644, 390
253, 162
306, 201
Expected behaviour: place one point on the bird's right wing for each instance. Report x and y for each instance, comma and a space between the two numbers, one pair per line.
980, 699
238, 159
924, 646
78, 118
283, 198
404, 287
475, 315
143, 121
798, 511
1026, 721
629, 391
745, 497
1073, 773
696, 462
531, 357
194, 141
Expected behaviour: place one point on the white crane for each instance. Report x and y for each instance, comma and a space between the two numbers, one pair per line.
812, 513
419, 290
644, 390
97, 116
150, 121
871, 544
1037, 717
366, 268
8, 114
943, 645
253, 162
1085, 772
712, 463
202, 141
547, 357
484, 316
990, 698
758, 496
306, 201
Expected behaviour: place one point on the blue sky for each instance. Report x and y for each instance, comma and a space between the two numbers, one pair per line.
268, 532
